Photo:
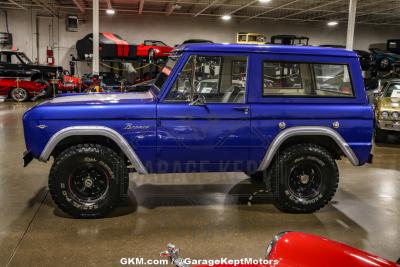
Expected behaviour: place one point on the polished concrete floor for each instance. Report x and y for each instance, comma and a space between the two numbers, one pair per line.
207, 215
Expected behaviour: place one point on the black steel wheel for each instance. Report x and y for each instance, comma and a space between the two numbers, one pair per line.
88, 180
304, 178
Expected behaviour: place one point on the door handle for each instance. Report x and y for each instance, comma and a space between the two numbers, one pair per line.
244, 109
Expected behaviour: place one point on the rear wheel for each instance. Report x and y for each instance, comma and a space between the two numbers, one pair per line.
19, 94
304, 178
87, 181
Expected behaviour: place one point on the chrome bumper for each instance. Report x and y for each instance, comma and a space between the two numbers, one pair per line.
389, 125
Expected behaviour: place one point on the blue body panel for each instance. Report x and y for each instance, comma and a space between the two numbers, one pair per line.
171, 137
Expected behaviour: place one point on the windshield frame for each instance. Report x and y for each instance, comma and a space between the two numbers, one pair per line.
174, 57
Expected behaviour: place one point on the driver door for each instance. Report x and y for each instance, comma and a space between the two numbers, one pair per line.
203, 120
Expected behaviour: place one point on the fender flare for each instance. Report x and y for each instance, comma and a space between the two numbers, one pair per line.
306, 131
94, 130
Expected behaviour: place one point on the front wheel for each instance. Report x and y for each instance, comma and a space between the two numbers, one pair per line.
87, 181
384, 63
19, 94
304, 178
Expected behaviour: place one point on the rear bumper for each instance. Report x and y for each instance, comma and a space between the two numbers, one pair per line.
27, 158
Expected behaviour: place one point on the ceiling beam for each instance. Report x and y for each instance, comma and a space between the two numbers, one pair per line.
344, 10
273, 9
212, 3
141, 5
80, 5
17, 4
310, 9
46, 7
109, 5
244, 6
169, 9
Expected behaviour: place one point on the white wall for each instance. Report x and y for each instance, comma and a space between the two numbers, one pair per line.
173, 30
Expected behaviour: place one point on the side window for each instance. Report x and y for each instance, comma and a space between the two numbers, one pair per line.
3, 58
306, 80
217, 79
332, 80
283, 78
15, 59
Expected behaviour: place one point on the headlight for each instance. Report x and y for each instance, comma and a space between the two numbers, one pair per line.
384, 114
395, 115
273, 243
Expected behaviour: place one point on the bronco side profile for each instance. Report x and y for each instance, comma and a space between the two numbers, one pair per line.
283, 114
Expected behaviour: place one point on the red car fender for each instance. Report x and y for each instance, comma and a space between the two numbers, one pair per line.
33, 88
294, 249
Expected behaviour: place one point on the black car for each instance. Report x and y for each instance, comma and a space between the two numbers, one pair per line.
15, 64
364, 56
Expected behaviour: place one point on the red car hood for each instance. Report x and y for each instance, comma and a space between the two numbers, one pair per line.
295, 249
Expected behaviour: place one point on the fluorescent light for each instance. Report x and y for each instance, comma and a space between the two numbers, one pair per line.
264, 1
226, 17
110, 11
332, 23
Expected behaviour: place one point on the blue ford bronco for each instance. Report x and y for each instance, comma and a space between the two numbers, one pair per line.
281, 114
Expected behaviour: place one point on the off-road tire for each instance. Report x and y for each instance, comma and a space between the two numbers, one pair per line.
380, 135
287, 163
108, 165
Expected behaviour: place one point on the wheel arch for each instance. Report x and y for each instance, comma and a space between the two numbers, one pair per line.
91, 134
323, 136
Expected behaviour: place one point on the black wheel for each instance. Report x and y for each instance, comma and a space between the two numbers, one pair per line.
19, 94
384, 63
380, 135
304, 178
151, 55
87, 181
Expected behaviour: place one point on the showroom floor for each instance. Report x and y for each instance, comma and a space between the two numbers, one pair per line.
206, 215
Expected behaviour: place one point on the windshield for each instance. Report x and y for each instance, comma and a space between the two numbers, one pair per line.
24, 58
166, 71
393, 91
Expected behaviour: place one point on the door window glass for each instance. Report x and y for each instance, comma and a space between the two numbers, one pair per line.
216, 79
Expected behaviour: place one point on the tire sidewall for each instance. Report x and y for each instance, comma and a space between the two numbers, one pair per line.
61, 190
328, 173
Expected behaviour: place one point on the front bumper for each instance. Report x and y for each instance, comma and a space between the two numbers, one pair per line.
389, 125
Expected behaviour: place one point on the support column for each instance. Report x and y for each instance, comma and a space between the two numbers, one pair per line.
351, 24
95, 60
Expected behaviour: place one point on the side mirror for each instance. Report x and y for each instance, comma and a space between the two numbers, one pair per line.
198, 100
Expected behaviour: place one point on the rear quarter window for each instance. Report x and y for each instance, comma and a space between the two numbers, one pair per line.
291, 79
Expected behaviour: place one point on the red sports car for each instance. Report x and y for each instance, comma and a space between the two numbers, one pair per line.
295, 249
19, 90
152, 49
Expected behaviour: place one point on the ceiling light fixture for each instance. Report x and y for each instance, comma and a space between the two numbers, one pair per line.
264, 1
332, 23
226, 17
110, 11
